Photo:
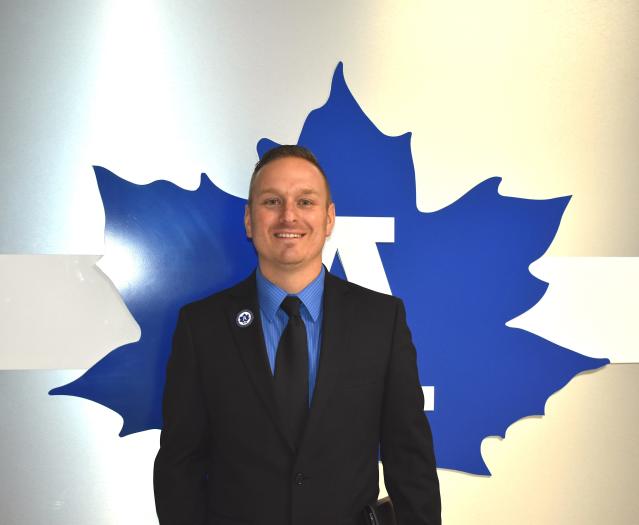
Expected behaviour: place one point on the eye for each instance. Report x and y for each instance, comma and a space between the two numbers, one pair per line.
271, 201
304, 203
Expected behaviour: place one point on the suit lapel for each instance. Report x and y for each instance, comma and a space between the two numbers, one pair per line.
250, 342
334, 344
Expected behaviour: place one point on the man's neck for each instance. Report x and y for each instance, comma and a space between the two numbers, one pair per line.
292, 281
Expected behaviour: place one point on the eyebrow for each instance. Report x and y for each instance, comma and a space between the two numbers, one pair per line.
306, 191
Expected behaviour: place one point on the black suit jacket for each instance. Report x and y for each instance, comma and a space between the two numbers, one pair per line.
224, 458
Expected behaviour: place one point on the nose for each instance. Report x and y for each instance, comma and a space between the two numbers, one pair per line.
288, 212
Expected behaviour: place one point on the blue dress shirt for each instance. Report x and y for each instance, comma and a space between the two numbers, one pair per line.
274, 320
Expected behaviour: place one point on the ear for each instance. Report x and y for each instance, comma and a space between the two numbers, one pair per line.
330, 218
247, 221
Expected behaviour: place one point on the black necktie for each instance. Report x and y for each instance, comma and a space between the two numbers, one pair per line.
291, 371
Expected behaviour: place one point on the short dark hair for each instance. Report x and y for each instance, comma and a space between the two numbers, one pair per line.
284, 151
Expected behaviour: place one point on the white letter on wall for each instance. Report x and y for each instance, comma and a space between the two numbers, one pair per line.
354, 240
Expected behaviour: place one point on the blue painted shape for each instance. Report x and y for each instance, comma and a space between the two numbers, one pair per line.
462, 272
187, 244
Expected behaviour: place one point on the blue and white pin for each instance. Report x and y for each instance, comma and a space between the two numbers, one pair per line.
244, 318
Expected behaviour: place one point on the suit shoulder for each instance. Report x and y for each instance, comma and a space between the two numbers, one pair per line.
366, 294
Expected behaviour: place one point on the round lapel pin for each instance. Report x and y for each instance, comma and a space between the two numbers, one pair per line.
244, 318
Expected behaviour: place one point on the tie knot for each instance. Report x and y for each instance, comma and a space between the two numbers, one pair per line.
291, 305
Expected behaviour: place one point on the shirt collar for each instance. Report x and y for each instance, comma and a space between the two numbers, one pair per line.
270, 296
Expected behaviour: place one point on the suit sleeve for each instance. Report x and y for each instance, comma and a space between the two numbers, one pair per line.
406, 441
179, 476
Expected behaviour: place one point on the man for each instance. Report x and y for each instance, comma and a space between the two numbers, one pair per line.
281, 390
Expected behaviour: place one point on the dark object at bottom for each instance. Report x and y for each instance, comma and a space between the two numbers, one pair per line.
381, 513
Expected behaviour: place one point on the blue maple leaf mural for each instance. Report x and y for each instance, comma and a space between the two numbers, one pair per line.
462, 272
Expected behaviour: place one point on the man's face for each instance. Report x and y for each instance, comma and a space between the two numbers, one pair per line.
289, 216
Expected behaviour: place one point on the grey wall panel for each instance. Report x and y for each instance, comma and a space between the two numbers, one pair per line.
542, 94
62, 461
48, 60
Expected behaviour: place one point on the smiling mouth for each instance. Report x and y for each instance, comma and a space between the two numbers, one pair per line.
289, 235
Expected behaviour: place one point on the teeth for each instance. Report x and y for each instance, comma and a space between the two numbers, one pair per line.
288, 235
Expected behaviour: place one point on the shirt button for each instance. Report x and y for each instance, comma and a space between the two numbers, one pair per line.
299, 479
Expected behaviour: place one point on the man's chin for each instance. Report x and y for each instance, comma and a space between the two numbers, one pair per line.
292, 264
